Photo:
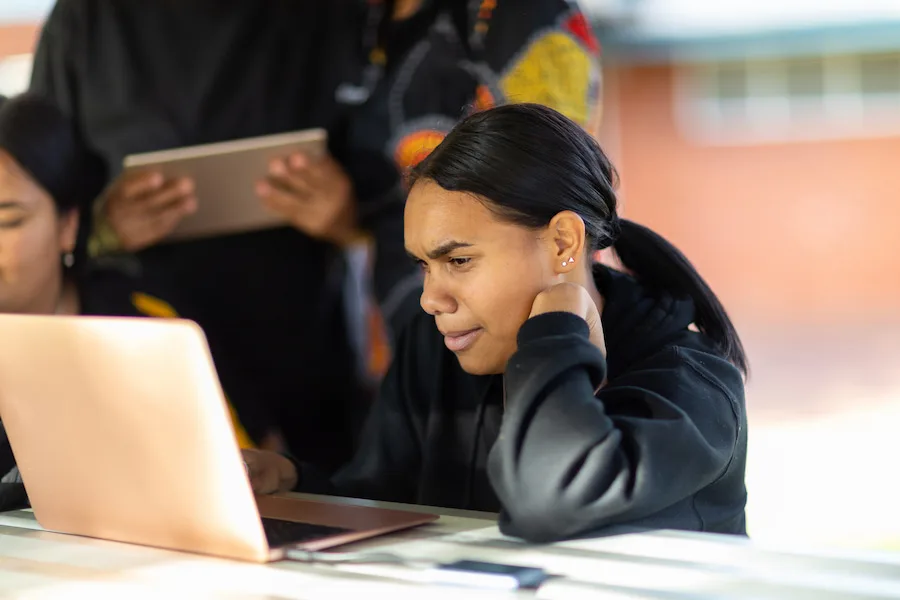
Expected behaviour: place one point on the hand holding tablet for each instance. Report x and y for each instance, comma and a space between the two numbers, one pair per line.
142, 208
202, 191
314, 195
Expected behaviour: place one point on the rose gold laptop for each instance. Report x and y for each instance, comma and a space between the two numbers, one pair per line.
121, 431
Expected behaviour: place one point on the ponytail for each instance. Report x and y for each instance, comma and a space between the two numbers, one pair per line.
659, 264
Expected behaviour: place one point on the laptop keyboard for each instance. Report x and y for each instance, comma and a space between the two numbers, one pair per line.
281, 533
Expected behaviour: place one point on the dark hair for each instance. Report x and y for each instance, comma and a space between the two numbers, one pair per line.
45, 143
529, 163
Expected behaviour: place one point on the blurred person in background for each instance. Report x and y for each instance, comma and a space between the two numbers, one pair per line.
139, 76
45, 175
421, 66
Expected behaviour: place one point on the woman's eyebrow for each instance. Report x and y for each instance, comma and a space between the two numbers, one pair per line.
447, 248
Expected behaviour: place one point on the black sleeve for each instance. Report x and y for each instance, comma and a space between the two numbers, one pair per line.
569, 461
389, 453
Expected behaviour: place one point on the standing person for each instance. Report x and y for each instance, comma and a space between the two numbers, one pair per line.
423, 65
140, 76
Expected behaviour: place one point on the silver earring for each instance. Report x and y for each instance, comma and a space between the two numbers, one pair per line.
568, 262
68, 260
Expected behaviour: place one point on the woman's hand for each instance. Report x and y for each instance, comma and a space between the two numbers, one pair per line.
142, 209
269, 472
314, 195
571, 298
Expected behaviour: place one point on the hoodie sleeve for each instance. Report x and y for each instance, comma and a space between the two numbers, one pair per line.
569, 461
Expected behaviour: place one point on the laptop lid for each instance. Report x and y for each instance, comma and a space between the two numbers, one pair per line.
120, 430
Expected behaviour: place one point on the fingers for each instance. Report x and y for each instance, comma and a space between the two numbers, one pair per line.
164, 221
286, 193
314, 195
298, 182
176, 191
314, 171
265, 481
269, 472
264, 477
150, 191
298, 162
598, 340
144, 209
595, 325
279, 201
286, 483
138, 185
288, 475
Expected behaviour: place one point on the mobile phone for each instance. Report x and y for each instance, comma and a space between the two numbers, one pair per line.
473, 573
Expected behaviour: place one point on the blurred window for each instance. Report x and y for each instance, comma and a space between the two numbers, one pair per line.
767, 100
879, 74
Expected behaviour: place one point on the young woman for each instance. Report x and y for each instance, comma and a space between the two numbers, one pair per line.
564, 394
44, 176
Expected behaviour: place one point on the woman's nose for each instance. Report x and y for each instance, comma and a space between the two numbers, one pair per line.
435, 300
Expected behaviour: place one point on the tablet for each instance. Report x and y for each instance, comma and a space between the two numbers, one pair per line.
225, 175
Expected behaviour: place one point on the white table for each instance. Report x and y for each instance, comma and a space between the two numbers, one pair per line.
664, 564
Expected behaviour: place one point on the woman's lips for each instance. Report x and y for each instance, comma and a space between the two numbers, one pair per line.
460, 341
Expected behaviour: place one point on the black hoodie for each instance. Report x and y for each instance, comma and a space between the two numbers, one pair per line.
661, 445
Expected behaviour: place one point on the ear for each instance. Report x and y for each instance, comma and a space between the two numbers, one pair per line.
68, 231
567, 234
